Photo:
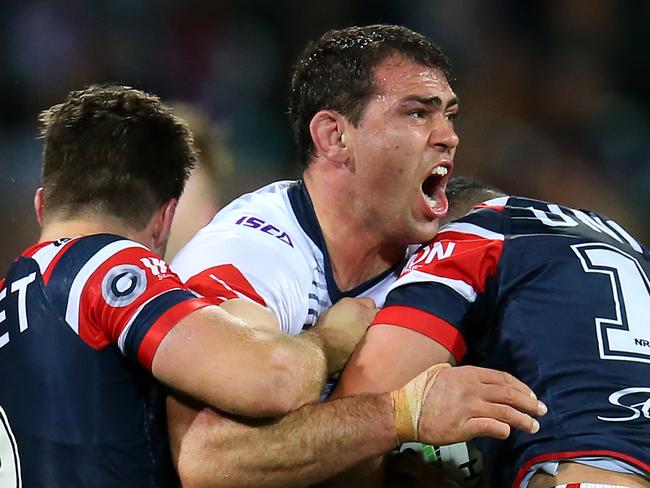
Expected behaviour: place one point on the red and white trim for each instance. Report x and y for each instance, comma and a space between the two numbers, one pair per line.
74, 298
471, 229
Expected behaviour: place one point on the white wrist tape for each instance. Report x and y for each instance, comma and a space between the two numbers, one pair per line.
408, 402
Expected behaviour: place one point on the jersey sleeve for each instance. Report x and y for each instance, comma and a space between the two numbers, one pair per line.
227, 260
440, 289
127, 296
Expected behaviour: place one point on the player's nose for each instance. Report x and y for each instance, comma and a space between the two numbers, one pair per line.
444, 136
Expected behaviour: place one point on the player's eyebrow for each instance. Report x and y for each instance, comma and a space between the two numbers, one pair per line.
432, 101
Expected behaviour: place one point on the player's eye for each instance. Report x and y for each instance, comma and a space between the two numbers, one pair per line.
418, 114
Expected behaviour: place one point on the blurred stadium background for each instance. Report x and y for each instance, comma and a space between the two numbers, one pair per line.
555, 94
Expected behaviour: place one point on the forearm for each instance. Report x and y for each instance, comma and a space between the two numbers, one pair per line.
304, 447
216, 358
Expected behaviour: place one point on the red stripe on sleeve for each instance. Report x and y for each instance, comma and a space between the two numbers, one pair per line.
223, 282
163, 325
425, 323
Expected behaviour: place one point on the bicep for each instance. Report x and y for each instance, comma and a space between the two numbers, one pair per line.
252, 313
387, 358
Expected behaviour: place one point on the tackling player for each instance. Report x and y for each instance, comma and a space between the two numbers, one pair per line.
559, 298
372, 112
90, 313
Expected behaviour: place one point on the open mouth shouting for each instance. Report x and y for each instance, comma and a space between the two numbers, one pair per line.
433, 189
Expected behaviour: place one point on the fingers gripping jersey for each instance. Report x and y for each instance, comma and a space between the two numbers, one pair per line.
267, 247
76, 318
559, 298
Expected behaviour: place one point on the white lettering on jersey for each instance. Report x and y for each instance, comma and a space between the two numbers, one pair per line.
19, 286
544, 217
123, 284
623, 335
157, 266
637, 408
610, 227
596, 224
628, 238
433, 250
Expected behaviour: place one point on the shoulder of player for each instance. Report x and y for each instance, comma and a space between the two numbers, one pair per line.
262, 218
87, 256
485, 222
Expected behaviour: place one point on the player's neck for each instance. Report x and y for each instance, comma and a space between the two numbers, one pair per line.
53, 229
356, 250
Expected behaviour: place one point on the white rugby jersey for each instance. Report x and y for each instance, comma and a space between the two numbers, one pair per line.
267, 246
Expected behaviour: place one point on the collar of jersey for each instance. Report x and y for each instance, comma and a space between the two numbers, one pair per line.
306, 215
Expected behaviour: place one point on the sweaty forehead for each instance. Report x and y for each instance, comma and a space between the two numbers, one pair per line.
397, 75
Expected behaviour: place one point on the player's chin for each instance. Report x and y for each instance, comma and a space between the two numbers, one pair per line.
424, 231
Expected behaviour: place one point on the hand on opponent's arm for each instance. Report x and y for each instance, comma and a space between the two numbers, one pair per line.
342, 327
335, 336
461, 403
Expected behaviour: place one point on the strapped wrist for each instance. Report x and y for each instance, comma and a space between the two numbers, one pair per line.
408, 402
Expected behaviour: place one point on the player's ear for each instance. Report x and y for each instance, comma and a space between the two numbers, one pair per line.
163, 224
39, 204
327, 129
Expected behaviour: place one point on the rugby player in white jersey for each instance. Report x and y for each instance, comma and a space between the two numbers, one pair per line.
372, 111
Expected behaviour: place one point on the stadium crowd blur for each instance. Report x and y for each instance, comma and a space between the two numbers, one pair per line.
554, 94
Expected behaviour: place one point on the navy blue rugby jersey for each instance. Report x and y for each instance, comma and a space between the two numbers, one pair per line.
80, 321
558, 297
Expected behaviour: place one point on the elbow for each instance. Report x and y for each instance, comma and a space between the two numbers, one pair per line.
192, 474
194, 478
207, 465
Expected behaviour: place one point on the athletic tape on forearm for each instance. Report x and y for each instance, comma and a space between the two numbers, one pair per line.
408, 402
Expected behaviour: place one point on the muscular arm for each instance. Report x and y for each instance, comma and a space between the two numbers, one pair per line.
301, 448
319, 440
223, 440
367, 371
217, 358
387, 357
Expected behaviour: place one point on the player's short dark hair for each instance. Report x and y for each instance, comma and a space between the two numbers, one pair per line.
464, 192
113, 150
337, 73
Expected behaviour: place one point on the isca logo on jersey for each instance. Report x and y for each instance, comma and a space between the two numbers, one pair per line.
262, 226
635, 400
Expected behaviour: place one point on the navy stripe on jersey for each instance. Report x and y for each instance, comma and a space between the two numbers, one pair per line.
306, 215
148, 315
436, 299
69, 266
